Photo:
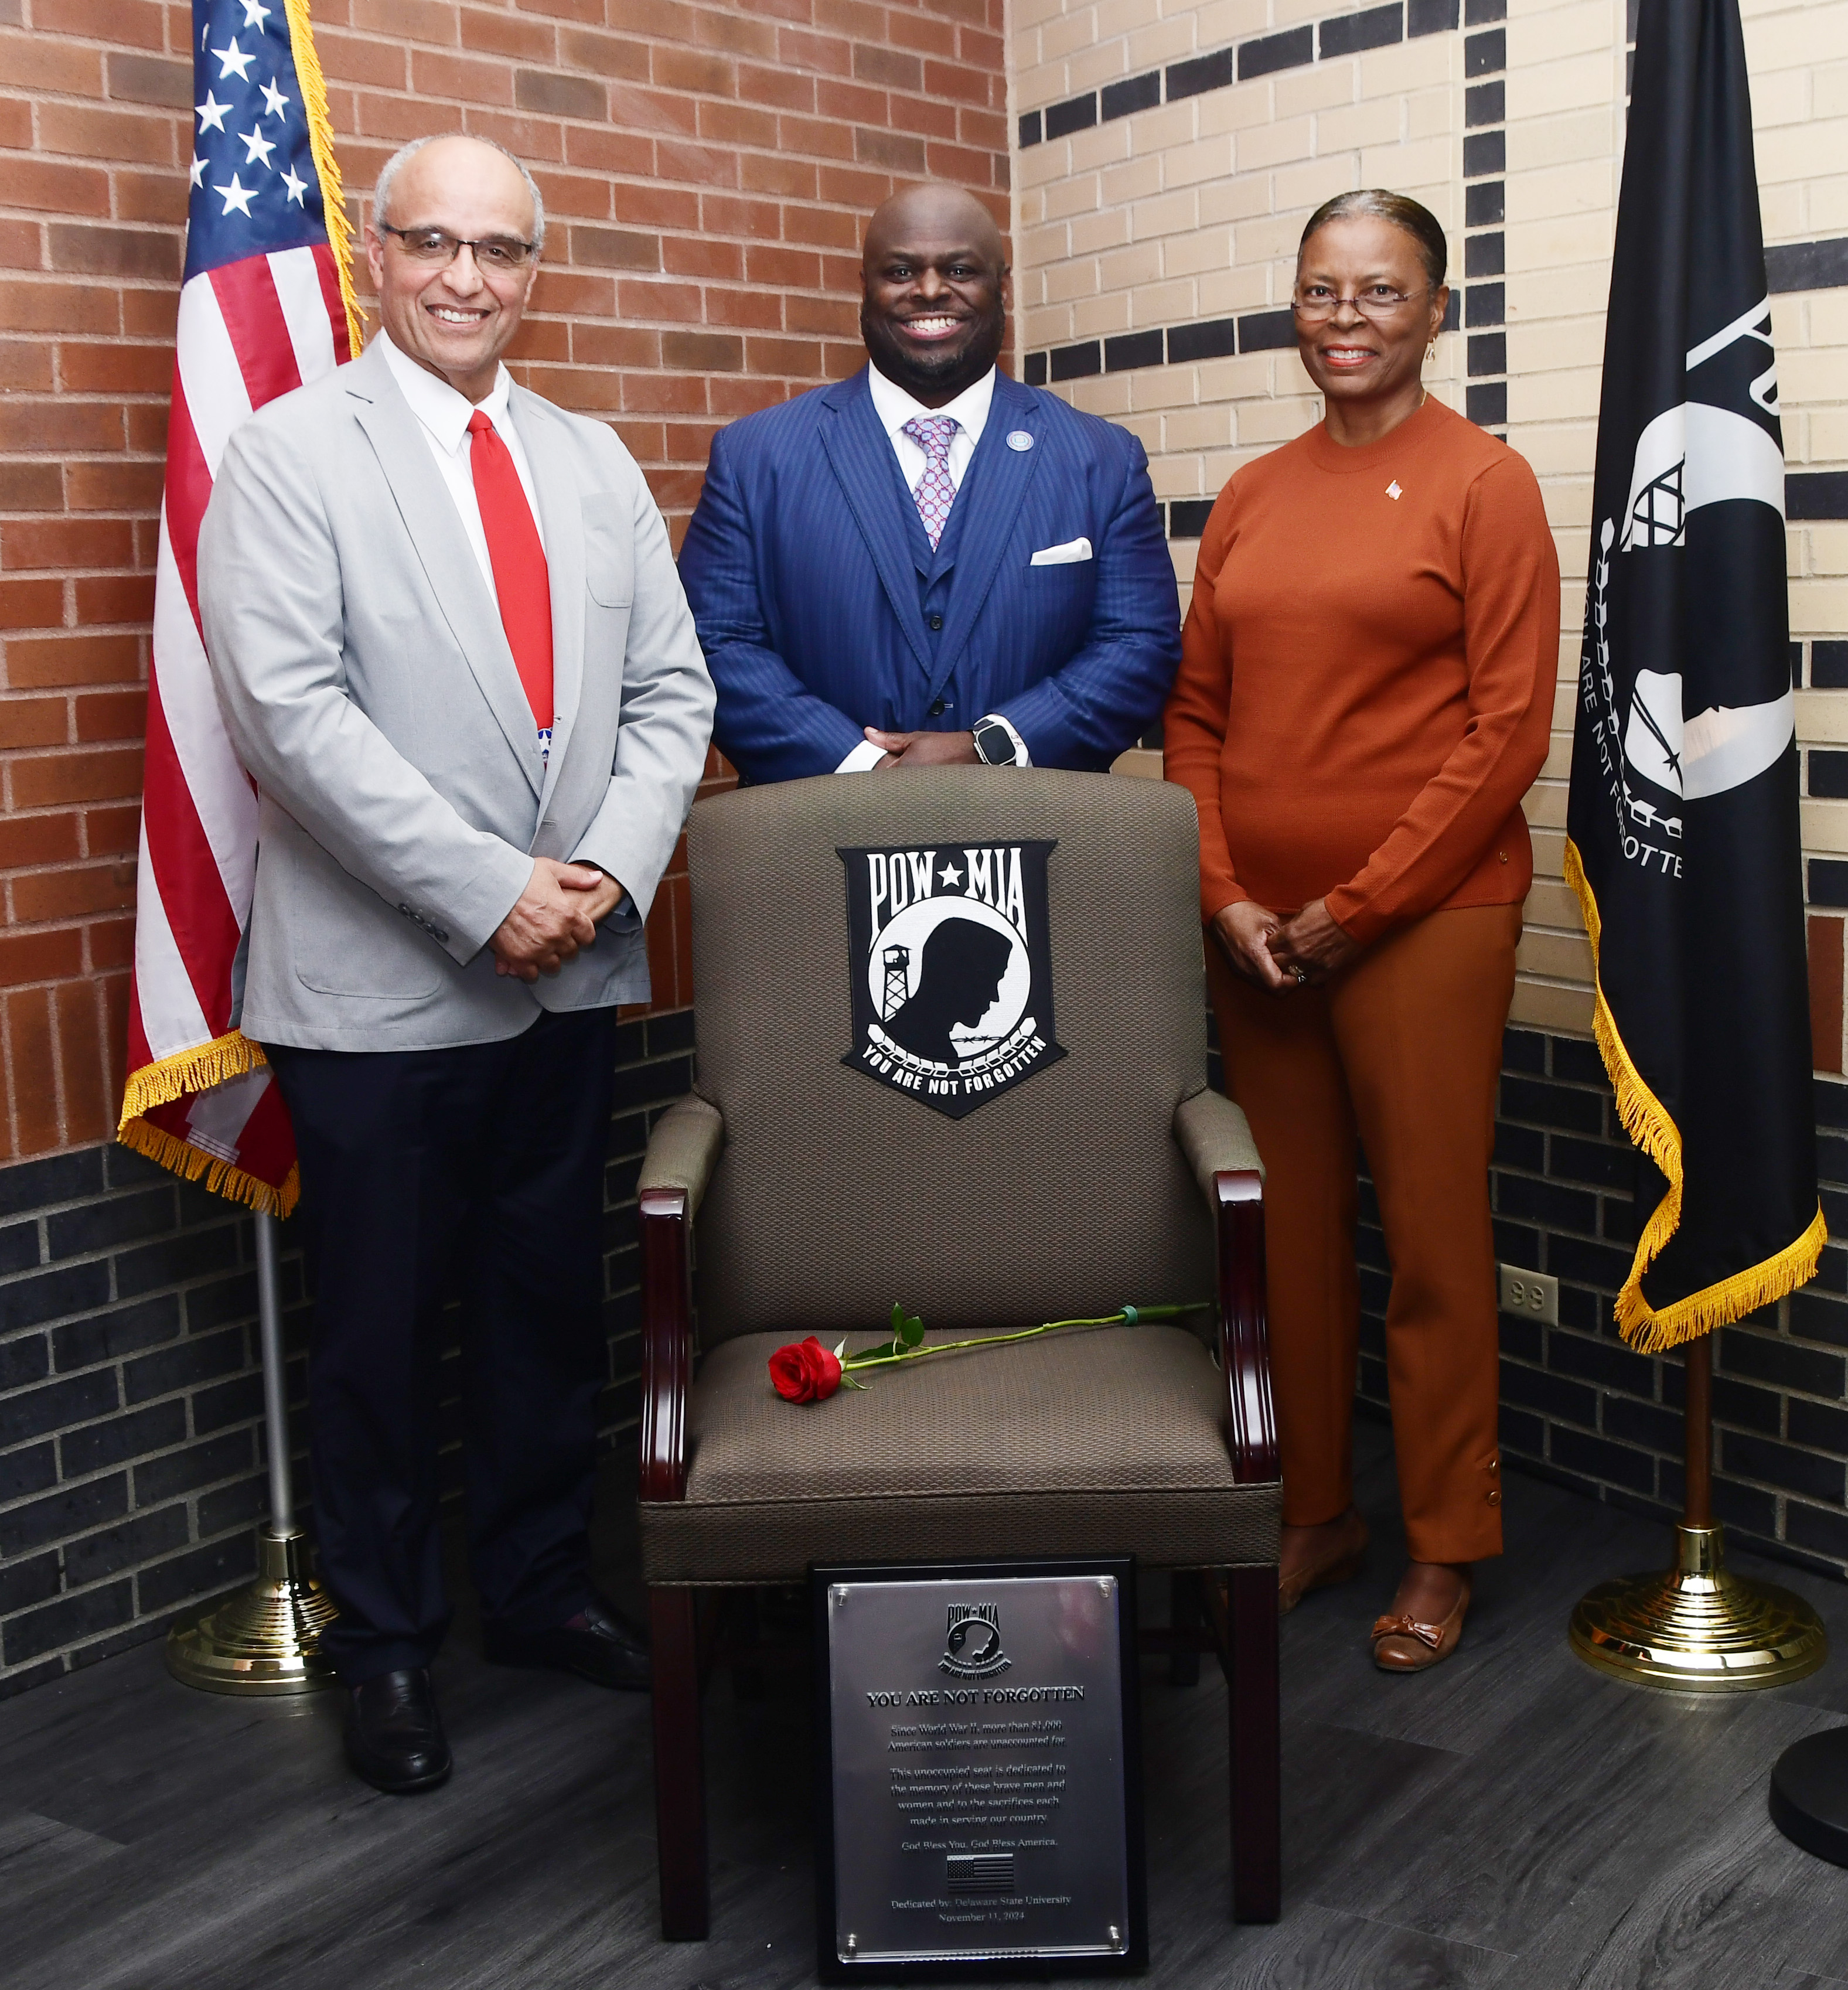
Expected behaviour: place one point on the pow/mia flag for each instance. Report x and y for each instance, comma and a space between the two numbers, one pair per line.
950, 970
1683, 835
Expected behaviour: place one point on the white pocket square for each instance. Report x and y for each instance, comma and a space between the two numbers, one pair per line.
1067, 554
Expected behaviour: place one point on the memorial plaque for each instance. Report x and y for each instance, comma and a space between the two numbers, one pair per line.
979, 1785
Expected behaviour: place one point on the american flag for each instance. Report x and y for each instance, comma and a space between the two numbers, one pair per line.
266, 305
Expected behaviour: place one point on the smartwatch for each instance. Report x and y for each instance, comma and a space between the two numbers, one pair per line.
994, 743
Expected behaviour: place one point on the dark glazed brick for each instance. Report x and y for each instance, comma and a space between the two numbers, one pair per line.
1485, 152
1203, 72
1031, 130
1515, 1244
1767, 1358
1069, 363
1036, 369
1828, 774
1430, 17
47, 1296
1817, 1528
181, 1366
1831, 1271
1578, 1062
67, 1621
23, 1681
1519, 1147
1522, 1339
1519, 1432
107, 1336
1549, 1105
1782, 1465
72, 1510
1132, 350
33, 1412
1377, 28
1618, 1222
1134, 93
234, 1402
1267, 331
1646, 1424
1598, 1457
1828, 662
1742, 1403
1484, 54
1546, 1203
117, 1548
1187, 519
25, 1358
1525, 1050
1734, 1505
61, 1178
190, 1255
237, 1506
1485, 203
1828, 882
1485, 103
1808, 265
119, 1438
1608, 1363
1814, 1318
223, 1303
1076, 114
28, 1471
206, 1569
100, 1226
1213, 339
1488, 353
1590, 1161
1484, 255
124, 1168
1835, 1209
1478, 13
1814, 494
670, 1032
1265, 56
22, 1583
18, 1247
1552, 1395
1584, 1264
1819, 1427
1831, 1160
1830, 1098
198, 1464
1486, 304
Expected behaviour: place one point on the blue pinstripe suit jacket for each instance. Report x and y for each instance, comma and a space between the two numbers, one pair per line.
805, 564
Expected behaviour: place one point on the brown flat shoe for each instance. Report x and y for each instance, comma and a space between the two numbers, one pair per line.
1340, 1564
1403, 1645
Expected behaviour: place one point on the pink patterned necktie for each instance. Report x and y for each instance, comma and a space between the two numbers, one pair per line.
934, 492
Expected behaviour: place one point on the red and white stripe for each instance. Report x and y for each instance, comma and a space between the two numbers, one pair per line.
248, 332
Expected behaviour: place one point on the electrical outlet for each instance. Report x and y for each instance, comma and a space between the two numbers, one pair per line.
1531, 1294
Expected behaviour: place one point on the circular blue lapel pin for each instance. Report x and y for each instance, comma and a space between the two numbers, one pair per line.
1019, 439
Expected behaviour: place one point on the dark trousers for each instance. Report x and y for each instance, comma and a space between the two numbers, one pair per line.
477, 1170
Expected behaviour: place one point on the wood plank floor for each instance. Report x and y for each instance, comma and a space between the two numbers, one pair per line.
1511, 1819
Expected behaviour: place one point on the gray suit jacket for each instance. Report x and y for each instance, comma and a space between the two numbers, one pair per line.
369, 690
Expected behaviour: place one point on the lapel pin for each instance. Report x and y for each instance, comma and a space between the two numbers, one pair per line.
1393, 490
1019, 439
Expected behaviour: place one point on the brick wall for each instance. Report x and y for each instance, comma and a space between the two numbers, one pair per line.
708, 169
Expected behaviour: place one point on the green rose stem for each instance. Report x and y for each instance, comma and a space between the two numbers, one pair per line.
908, 1334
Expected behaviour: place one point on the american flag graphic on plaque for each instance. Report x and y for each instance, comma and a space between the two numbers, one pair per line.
266, 305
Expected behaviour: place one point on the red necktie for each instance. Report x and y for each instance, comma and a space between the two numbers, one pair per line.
518, 560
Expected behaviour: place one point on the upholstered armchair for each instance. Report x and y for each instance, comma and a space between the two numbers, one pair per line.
951, 1053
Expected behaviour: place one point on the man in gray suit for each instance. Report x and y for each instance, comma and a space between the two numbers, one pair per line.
452, 649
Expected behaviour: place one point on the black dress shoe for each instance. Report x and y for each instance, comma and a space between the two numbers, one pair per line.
394, 1734
597, 1643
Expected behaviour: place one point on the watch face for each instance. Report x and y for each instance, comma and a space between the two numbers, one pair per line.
992, 742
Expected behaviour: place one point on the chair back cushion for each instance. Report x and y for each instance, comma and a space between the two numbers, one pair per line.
1063, 1191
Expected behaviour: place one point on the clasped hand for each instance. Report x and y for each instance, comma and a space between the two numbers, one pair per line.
1282, 954
556, 916
923, 749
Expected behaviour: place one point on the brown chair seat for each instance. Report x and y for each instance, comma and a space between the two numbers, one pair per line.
1104, 1442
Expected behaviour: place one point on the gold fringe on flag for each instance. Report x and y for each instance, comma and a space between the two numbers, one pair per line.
222, 1177
196, 1070
321, 143
1646, 1120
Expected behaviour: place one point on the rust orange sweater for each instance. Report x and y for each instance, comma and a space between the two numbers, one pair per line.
1365, 684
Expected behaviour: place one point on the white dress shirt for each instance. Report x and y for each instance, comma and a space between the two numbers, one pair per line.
895, 407
443, 414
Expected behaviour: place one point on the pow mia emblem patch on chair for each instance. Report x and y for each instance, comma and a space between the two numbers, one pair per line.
950, 969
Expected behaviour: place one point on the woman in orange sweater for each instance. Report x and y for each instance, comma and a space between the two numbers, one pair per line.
1365, 694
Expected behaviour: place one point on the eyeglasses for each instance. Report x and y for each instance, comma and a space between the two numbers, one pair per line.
438, 248
1316, 303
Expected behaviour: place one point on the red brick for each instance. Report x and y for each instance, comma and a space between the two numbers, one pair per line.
569, 10
136, 137
854, 187
16, 124
673, 301
738, 32
921, 115
361, 58
32, 604
437, 72
615, 345
614, 249
34, 722
786, 90
115, 369
558, 96
31, 487
119, 715
77, 892
31, 1051
46, 306
113, 992
645, 441
921, 32
148, 314
24, 366
762, 172
663, 393
820, 139
837, 318
825, 226
725, 214
162, 79
112, 832
665, 19
617, 152
37, 839
732, 398
636, 109
493, 32
44, 780
691, 442
773, 265
852, 103
77, 1010
111, 942
60, 424
427, 21
798, 357
113, 487
40, 956
957, 164
152, 196
534, 140
760, 309
146, 423
858, 19
37, 663
890, 67
698, 255
703, 351
736, 124
695, 72
829, 54
652, 206
541, 338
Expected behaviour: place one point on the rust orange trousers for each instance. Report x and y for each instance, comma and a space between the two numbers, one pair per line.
1403, 1049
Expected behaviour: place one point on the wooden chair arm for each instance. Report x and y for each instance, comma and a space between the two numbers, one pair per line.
667, 1228
1250, 1422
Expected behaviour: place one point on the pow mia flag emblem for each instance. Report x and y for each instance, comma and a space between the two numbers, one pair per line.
950, 969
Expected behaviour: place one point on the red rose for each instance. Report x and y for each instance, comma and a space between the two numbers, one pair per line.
805, 1372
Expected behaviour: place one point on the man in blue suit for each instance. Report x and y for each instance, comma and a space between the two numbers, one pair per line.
930, 562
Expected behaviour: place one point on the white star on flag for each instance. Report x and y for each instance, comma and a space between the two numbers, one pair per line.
196, 177
273, 100
257, 146
256, 13
296, 187
233, 62
237, 198
950, 874
210, 114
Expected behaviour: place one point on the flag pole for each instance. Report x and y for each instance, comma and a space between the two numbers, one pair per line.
266, 1638
1699, 1628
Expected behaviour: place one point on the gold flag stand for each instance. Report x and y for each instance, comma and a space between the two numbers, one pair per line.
266, 1638
1698, 1627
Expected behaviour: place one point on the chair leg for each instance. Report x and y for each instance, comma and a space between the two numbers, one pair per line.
1185, 1610
1252, 1720
680, 1793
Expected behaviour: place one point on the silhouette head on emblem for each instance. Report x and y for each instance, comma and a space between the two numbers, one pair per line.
959, 974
